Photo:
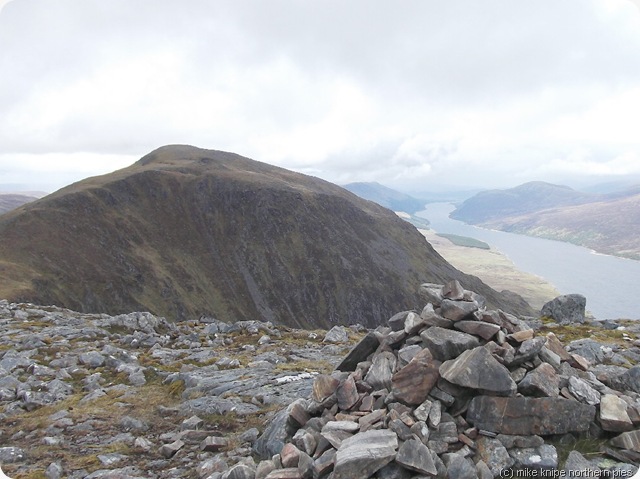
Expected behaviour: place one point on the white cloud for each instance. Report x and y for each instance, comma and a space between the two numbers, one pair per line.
417, 92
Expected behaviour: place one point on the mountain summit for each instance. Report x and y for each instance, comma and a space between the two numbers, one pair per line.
186, 232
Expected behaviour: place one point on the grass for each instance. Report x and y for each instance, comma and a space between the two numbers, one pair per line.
465, 241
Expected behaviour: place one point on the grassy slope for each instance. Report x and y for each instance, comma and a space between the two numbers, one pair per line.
186, 232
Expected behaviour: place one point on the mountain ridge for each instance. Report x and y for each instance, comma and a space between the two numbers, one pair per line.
186, 232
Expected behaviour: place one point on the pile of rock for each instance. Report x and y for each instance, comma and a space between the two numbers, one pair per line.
455, 391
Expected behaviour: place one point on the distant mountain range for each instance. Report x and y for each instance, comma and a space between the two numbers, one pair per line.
186, 232
387, 197
607, 223
10, 201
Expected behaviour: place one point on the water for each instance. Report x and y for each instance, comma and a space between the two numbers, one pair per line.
609, 283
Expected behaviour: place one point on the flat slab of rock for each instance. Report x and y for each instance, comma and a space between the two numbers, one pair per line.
447, 344
613, 414
359, 353
628, 440
527, 416
478, 328
478, 369
457, 310
413, 383
361, 455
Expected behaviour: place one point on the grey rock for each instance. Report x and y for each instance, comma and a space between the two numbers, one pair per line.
432, 292
628, 440
336, 335
566, 309
446, 344
169, 450
362, 455
415, 456
478, 328
10, 455
396, 322
359, 353
613, 414
457, 310
460, 467
241, 471
494, 455
541, 381
542, 457
453, 290
92, 359
478, 369
54, 471
381, 371
577, 465
628, 381
583, 392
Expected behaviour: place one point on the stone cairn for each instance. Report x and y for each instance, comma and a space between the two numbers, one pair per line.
457, 392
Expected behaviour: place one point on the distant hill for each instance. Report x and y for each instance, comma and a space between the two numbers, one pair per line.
527, 198
610, 226
10, 201
607, 223
186, 232
387, 197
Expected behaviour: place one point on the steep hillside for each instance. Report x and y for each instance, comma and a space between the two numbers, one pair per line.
387, 197
186, 232
610, 227
526, 198
10, 201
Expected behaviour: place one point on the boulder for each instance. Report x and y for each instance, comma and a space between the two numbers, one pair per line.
628, 440
412, 384
613, 414
361, 455
457, 310
541, 381
478, 369
337, 334
360, 352
446, 344
528, 416
566, 309
415, 456
381, 371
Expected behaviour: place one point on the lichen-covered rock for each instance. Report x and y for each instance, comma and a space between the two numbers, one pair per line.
566, 309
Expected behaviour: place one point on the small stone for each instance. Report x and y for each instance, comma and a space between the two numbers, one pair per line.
628, 440
521, 336
478, 328
169, 450
446, 344
347, 394
457, 310
290, 455
54, 471
213, 444
381, 371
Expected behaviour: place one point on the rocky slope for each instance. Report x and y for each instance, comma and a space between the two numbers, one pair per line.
187, 232
135, 396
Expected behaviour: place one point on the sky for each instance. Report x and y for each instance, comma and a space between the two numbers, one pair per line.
420, 95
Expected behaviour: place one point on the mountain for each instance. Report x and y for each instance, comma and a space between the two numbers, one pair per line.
387, 197
10, 201
610, 226
607, 223
186, 232
526, 198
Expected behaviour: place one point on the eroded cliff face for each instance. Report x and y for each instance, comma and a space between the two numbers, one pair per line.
187, 232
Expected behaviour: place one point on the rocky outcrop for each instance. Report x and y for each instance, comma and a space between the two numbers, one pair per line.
134, 395
440, 402
566, 309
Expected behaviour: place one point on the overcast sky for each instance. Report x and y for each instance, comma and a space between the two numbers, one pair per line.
413, 94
